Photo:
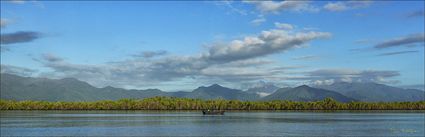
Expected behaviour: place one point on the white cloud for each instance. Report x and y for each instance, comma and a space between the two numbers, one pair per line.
263, 94
284, 26
326, 76
267, 42
323, 82
21, 71
346, 5
277, 6
258, 21
17, 1
4, 22
338, 6
235, 61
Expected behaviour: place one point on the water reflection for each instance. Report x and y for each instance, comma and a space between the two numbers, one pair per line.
235, 123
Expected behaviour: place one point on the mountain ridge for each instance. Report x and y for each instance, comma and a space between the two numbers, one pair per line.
306, 93
374, 92
15, 87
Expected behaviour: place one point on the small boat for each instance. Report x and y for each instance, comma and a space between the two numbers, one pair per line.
213, 112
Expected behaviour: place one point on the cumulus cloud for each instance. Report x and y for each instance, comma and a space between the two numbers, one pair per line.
238, 60
346, 5
350, 75
135, 72
235, 73
150, 54
401, 41
268, 42
141, 73
170, 68
119, 74
397, 53
21, 71
241, 71
277, 6
177, 67
19, 37
167, 68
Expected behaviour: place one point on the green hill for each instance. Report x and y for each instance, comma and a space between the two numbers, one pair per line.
373, 92
306, 93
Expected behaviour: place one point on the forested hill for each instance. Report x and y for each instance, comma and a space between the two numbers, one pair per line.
373, 92
15, 87
69, 89
306, 93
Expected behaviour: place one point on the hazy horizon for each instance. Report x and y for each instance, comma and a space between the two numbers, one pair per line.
176, 46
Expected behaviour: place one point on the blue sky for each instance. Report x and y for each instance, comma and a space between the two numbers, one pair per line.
183, 45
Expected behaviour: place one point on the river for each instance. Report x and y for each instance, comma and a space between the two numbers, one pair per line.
193, 123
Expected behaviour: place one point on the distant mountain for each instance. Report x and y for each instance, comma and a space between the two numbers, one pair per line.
180, 94
216, 91
373, 92
69, 89
306, 93
262, 89
15, 87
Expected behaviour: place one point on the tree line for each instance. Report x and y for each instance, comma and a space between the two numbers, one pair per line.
173, 103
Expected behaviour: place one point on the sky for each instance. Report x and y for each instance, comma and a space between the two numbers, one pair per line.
181, 45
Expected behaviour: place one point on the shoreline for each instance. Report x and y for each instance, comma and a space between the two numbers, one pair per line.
236, 111
171, 103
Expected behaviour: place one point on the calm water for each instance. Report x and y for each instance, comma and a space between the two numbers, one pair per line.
186, 123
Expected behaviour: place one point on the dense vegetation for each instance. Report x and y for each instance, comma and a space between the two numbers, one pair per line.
172, 103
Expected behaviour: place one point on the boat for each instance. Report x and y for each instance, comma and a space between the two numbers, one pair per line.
213, 112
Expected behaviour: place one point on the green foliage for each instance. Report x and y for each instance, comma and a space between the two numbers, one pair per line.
172, 103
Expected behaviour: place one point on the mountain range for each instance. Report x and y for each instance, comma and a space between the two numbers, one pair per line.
15, 87
306, 93
374, 92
